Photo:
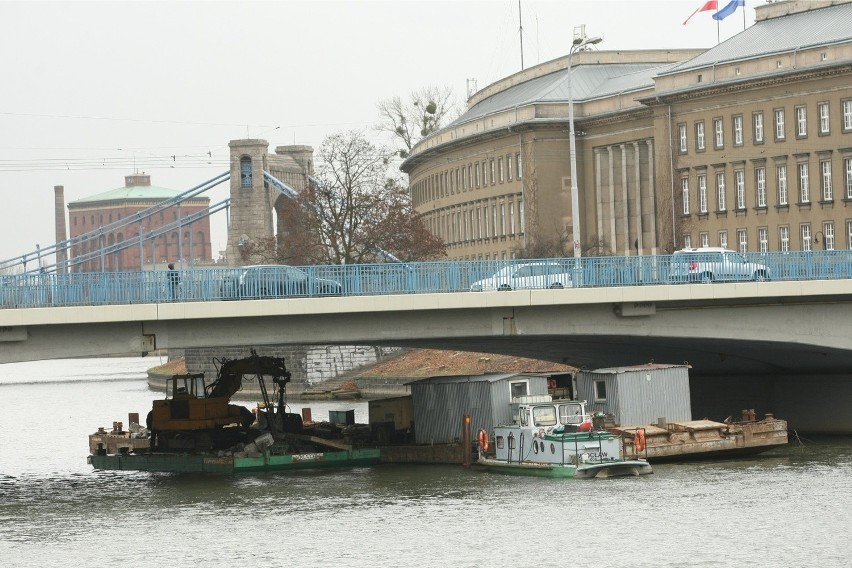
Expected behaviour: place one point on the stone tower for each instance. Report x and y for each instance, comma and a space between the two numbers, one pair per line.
251, 205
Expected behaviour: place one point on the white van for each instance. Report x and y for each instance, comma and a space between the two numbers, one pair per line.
714, 264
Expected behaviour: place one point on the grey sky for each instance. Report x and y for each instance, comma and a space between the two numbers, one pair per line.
93, 91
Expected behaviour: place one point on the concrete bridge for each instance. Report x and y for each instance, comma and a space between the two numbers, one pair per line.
787, 343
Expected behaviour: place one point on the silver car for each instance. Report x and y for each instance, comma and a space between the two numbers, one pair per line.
276, 281
712, 264
541, 274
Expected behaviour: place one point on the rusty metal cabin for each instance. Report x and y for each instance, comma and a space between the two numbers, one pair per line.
639, 394
440, 403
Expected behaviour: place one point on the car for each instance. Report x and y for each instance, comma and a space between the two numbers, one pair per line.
543, 274
280, 280
715, 264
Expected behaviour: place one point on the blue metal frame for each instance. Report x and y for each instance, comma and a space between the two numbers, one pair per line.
46, 289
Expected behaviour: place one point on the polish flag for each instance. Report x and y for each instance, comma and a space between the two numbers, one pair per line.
709, 5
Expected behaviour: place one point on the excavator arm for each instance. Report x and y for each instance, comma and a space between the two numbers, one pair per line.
229, 377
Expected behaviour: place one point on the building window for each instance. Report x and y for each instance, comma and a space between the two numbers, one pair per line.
493, 178
600, 391
723, 239
739, 182
760, 183
828, 235
824, 121
704, 240
779, 124
702, 193
520, 166
519, 388
477, 176
720, 191
804, 185
758, 127
825, 170
801, 122
806, 236
681, 128
485, 174
479, 222
502, 219
738, 130
763, 239
719, 133
500, 169
687, 241
849, 234
847, 115
781, 173
742, 240
494, 220
699, 136
245, 173
684, 192
784, 238
470, 177
847, 167
509, 167
521, 215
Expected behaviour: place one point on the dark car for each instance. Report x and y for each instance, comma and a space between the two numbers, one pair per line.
279, 280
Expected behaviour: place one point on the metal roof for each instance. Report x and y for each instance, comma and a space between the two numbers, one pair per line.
802, 30
632, 368
589, 82
452, 379
134, 192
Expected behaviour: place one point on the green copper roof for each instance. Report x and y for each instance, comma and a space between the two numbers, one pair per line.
125, 193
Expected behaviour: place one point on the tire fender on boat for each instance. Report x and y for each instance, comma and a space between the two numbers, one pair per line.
483, 440
639, 440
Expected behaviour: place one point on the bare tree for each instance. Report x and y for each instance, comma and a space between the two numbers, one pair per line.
355, 213
418, 116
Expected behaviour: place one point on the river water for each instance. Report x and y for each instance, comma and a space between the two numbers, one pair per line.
789, 507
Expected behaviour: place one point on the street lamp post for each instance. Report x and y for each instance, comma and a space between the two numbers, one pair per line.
580, 41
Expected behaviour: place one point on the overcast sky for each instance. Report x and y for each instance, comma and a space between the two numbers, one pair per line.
93, 91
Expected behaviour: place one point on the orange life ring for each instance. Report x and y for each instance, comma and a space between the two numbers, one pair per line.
639, 440
483, 440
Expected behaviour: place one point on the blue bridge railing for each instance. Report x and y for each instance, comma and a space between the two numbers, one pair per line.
51, 289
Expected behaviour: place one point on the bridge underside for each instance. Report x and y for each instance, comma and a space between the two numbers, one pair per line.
706, 356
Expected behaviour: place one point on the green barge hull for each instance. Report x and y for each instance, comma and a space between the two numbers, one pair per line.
204, 463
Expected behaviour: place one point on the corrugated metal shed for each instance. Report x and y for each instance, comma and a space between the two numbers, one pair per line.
638, 395
440, 403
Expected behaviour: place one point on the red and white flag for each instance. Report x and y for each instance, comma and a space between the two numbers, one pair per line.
709, 5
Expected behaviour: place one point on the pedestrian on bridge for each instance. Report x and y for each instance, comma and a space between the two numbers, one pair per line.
174, 280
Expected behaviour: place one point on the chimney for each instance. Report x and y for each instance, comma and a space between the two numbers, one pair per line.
137, 180
61, 232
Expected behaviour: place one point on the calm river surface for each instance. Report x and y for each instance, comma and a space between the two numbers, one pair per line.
789, 507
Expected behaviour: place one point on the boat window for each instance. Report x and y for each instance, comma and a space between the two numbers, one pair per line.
523, 415
600, 391
519, 388
499, 442
570, 414
544, 415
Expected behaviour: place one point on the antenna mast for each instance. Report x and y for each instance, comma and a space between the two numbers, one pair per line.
521, 34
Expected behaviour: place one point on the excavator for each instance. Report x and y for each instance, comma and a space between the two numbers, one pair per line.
197, 415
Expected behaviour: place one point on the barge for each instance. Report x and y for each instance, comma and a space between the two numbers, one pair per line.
195, 429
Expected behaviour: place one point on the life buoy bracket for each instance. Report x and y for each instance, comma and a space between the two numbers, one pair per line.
639, 439
483, 441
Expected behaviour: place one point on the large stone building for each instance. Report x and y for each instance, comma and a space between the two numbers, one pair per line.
100, 210
746, 145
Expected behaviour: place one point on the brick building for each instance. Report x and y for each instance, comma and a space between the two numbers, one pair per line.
90, 213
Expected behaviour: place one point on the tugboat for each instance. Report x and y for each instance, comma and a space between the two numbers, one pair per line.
556, 438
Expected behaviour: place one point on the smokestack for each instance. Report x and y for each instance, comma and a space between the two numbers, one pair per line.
61, 233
